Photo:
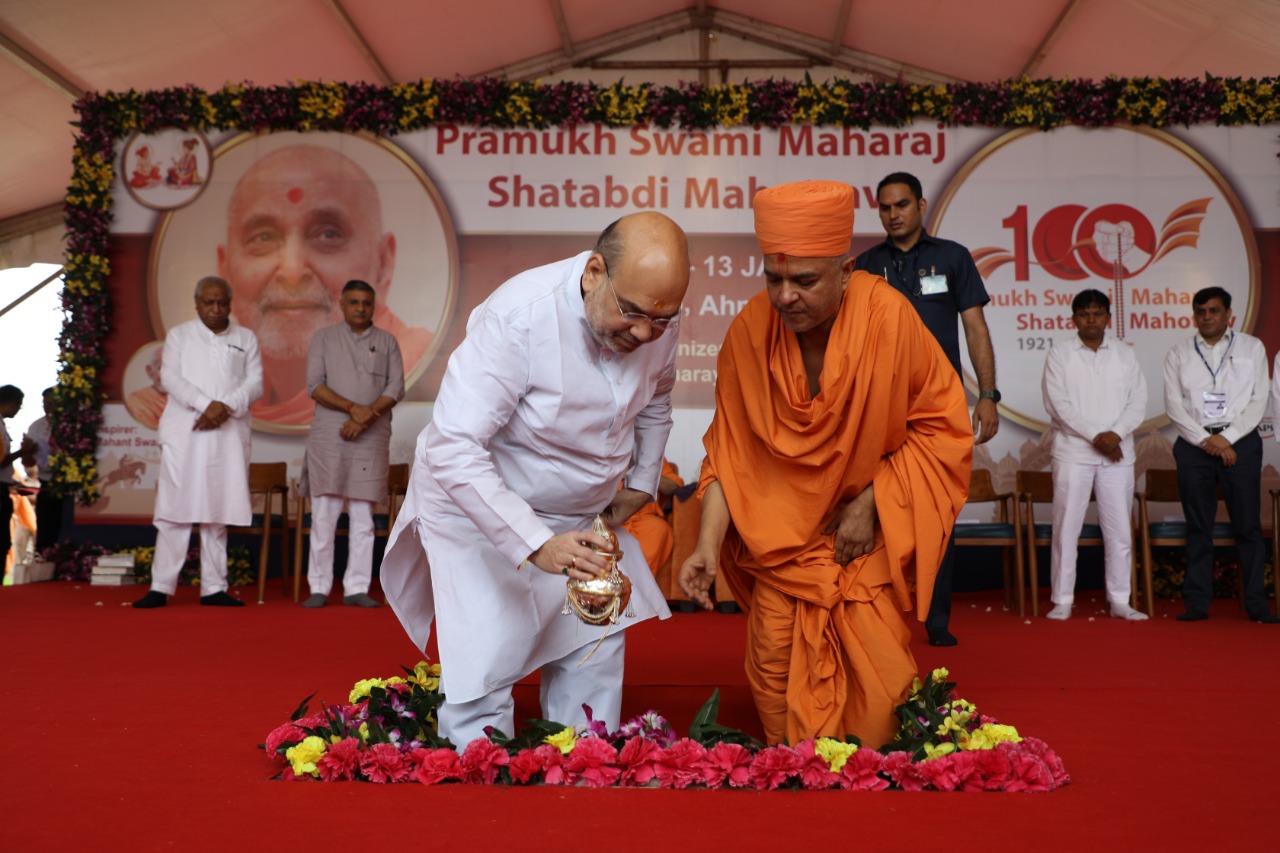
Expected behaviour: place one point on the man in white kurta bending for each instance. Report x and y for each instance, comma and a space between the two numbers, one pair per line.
561, 388
212, 372
1096, 396
356, 375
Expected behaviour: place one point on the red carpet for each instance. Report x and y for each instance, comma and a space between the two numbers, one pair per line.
130, 730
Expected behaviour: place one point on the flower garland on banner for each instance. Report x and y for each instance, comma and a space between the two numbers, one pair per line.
107, 117
386, 732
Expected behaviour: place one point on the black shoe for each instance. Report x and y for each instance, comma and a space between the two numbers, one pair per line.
942, 637
1266, 618
151, 599
1193, 616
220, 599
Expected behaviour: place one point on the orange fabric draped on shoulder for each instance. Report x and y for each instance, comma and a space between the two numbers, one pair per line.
827, 653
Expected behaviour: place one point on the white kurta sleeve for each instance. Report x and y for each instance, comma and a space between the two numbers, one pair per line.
249, 388
172, 376
1189, 427
1057, 396
653, 426
486, 378
1135, 407
1251, 413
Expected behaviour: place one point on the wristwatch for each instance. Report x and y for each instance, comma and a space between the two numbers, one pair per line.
993, 395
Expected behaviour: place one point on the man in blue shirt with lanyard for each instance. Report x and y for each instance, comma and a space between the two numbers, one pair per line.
1216, 391
941, 281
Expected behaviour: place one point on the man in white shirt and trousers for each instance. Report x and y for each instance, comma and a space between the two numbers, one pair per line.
1096, 396
560, 391
212, 372
1216, 391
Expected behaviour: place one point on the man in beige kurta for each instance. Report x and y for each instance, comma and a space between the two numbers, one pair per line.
356, 375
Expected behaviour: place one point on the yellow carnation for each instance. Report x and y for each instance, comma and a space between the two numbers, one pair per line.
303, 756
834, 752
427, 675
931, 751
362, 688
563, 740
987, 736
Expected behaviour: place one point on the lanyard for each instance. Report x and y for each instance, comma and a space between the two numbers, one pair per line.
1213, 374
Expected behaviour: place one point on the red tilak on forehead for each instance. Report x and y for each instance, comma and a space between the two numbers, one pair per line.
294, 195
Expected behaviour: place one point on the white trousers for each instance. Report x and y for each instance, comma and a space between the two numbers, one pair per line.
566, 687
325, 510
172, 539
1112, 486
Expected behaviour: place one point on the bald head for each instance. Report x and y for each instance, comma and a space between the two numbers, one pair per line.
302, 222
639, 272
301, 170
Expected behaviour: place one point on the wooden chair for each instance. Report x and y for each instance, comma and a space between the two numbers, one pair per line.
1037, 487
383, 522
266, 480
1162, 487
1004, 534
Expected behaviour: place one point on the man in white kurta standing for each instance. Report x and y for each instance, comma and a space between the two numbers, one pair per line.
356, 376
212, 372
560, 391
1096, 396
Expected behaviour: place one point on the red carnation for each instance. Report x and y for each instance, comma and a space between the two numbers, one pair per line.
774, 766
678, 764
553, 765
482, 761
1039, 748
1028, 773
382, 763
862, 772
439, 765
526, 765
638, 760
340, 761
940, 772
726, 762
995, 768
815, 773
899, 767
283, 737
593, 763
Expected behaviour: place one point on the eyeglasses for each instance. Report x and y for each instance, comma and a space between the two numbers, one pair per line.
634, 317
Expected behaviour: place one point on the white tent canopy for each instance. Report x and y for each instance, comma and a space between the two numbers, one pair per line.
57, 49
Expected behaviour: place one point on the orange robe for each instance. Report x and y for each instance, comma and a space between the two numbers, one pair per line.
827, 651
650, 526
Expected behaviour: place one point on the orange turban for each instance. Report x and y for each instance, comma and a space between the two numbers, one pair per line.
808, 219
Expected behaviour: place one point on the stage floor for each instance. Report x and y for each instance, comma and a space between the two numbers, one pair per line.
137, 730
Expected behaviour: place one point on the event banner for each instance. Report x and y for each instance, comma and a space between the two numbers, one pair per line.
435, 220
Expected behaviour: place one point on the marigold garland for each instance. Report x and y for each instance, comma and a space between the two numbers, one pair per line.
107, 117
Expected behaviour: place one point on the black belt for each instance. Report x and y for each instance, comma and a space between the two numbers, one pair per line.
1214, 430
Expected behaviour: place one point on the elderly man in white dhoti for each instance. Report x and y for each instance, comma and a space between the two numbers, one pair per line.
561, 388
355, 375
212, 372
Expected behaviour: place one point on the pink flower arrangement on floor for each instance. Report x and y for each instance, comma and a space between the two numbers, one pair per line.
386, 733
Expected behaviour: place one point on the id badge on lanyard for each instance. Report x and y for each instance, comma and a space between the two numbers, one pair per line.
1215, 406
1215, 403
